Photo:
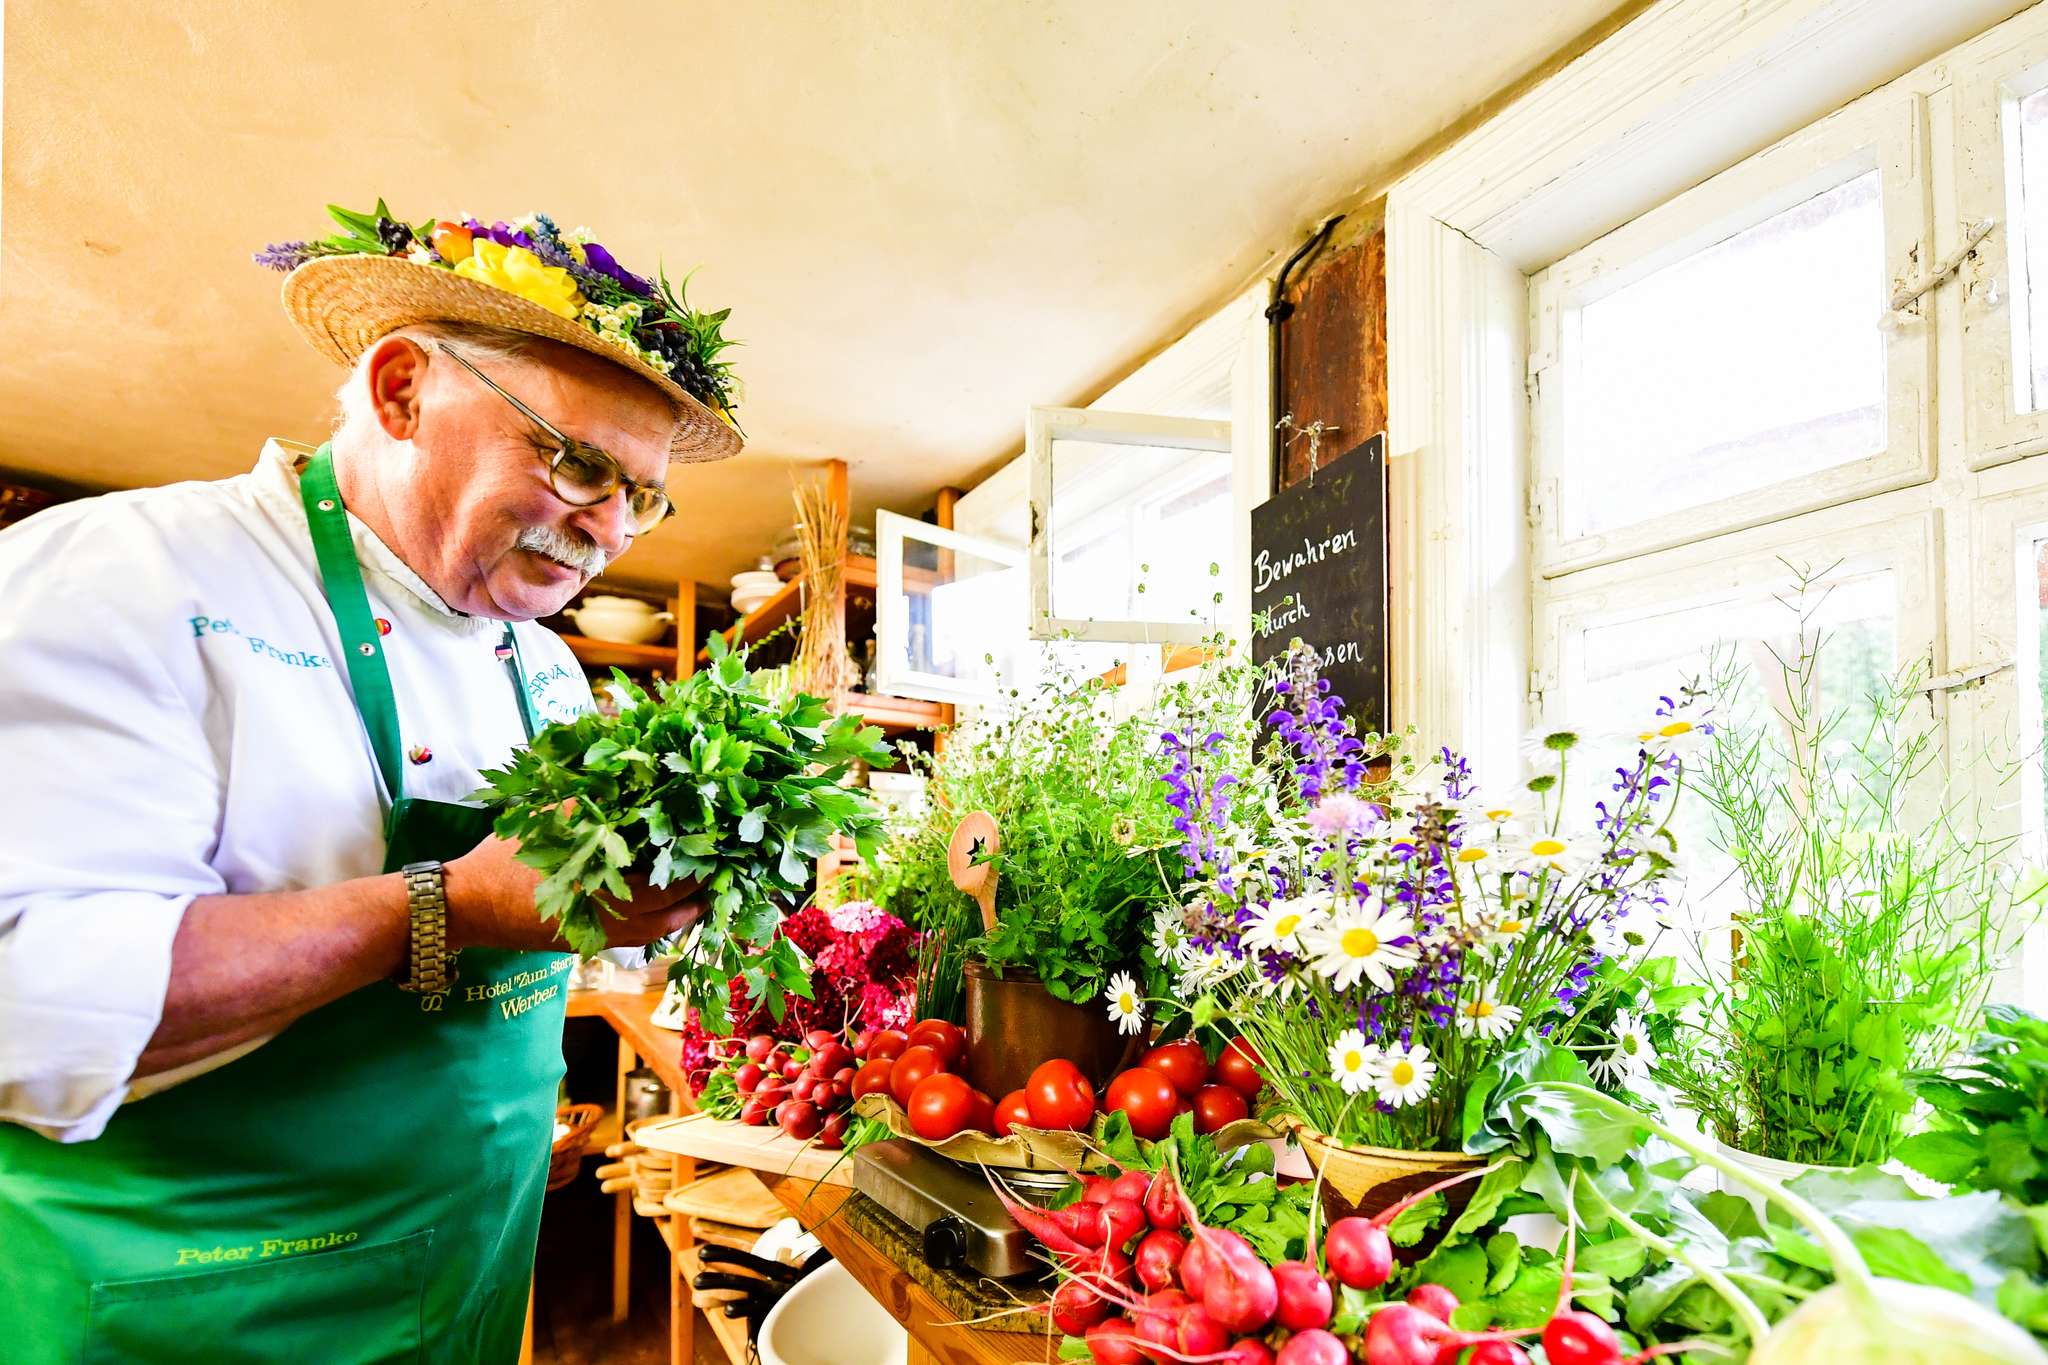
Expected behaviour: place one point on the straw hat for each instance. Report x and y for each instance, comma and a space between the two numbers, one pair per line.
344, 304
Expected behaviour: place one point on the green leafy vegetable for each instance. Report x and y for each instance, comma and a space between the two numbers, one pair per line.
712, 783
1993, 1112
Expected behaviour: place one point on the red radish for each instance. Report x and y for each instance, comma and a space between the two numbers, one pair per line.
818, 1038
1313, 1347
1574, 1336
747, 1079
1305, 1297
1122, 1220
1246, 1351
1497, 1353
1131, 1185
759, 1046
755, 1112
1162, 1201
832, 1136
1238, 1289
1359, 1253
1358, 1250
1194, 1268
800, 1119
1402, 1334
1096, 1189
1082, 1222
802, 1086
1434, 1300
1158, 1258
1076, 1308
1114, 1342
1198, 1336
1040, 1224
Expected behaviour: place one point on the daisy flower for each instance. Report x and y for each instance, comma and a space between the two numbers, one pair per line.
1484, 1017
1632, 1054
1354, 942
1405, 1075
1562, 853
1490, 812
1354, 1063
1509, 922
1544, 747
1280, 927
1681, 732
1125, 1009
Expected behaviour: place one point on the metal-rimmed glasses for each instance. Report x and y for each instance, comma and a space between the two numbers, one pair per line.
581, 474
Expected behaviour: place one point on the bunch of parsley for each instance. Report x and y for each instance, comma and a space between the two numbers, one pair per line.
713, 782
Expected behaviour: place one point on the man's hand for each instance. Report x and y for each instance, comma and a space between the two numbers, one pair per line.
490, 905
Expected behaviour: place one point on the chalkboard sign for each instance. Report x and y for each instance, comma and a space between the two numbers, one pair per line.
1319, 574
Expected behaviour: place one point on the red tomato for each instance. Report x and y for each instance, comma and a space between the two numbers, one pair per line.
940, 1106
914, 1065
873, 1077
1238, 1069
1216, 1105
1012, 1112
890, 1042
1148, 1098
983, 1118
948, 1040
1184, 1063
1059, 1096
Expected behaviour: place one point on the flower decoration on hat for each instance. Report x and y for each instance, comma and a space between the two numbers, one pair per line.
562, 271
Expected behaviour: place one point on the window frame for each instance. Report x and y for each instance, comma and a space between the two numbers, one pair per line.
1882, 131
1990, 85
892, 529
1048, 424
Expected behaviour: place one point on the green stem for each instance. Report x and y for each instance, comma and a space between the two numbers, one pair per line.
1752, 1318
1841, 1252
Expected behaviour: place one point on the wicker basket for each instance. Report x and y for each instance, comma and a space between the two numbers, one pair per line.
567, 1155
1365, 1180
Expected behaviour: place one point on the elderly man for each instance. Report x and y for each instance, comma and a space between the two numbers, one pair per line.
279, 1025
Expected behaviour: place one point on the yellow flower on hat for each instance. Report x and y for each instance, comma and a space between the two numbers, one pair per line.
518, 271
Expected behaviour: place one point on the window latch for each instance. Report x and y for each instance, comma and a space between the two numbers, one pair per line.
1906, 295
1961, 678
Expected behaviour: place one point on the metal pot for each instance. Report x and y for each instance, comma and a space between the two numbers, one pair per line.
1014, 1023
647, 1097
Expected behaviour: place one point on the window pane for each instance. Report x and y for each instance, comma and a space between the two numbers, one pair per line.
958, 622
2031, 365
1135, 531
1753, 361
1625, 667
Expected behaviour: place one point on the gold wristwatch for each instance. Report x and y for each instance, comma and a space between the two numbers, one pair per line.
430, 966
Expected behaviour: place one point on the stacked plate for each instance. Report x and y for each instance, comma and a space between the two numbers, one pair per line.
752, 588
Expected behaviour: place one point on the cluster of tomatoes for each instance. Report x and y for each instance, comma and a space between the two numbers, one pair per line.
919, 1070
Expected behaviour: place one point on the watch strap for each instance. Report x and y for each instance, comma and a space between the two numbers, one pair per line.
429, 966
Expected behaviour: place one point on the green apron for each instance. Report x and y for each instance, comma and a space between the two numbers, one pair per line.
366, 1186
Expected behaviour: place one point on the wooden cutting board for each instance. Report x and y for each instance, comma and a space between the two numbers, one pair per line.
734, 1195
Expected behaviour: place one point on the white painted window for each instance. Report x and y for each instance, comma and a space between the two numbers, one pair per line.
1831, 355
948, 612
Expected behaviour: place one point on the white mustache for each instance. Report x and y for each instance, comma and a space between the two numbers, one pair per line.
580, 555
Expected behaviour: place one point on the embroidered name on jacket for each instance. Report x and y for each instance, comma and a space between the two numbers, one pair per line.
297, 658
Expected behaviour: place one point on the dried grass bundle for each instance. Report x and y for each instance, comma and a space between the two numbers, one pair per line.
822, 665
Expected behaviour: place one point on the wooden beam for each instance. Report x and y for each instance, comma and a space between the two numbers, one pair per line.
683, 606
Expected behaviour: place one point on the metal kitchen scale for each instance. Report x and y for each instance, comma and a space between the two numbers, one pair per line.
952, 1209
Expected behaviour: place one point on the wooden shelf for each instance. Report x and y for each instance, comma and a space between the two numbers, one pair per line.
613, 654
761, 619
892, 713
730, 1332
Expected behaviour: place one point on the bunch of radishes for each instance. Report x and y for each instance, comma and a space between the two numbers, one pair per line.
806, 1091
1143, 1279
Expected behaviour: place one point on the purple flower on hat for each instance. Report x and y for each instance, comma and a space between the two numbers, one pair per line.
604, 263
286, 256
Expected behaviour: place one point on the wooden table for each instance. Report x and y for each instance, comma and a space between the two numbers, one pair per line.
629, 1014
923, 1316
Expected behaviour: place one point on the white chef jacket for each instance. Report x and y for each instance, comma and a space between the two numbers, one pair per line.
175, 722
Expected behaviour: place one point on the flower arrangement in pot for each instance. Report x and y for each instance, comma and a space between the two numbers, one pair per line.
1384, 938
1871, 913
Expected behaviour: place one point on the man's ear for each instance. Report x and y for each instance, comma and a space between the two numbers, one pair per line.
397, 364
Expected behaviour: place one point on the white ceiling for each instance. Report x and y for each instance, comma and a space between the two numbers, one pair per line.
925, 215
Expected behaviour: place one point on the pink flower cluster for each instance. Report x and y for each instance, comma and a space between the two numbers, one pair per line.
863, 975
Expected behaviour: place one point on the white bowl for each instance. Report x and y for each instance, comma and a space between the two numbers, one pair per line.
621, 620
745, 602
756, 580
828, 1319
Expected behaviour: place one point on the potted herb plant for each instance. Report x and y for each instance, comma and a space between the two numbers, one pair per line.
1872, 915
1385, 944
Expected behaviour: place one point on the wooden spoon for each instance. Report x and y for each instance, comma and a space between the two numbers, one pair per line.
976, 834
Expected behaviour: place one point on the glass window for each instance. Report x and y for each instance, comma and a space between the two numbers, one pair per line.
1141, 532
1755, 360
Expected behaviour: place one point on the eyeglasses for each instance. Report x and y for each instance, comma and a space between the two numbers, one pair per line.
582, 475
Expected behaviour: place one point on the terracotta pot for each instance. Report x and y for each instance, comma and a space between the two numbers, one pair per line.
1014, 1023
1366, 1180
